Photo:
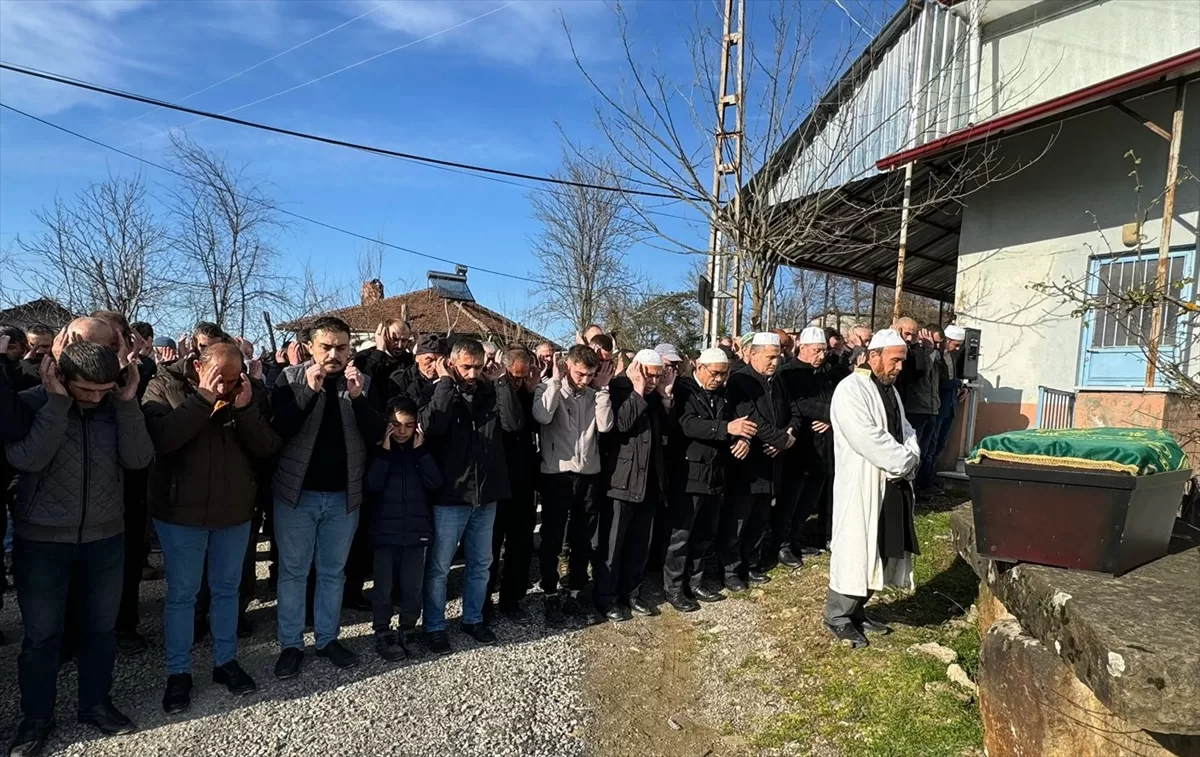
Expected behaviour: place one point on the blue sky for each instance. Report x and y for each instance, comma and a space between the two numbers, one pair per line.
491, 90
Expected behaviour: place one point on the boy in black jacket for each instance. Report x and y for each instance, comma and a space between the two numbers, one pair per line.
401, 477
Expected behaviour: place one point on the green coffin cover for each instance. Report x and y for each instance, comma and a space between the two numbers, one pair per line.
1135, 451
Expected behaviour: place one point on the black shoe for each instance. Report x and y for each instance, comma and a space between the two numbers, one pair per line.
389, 648
106, 717
705, 594
290, 661
178, 696
682, 602
356, 602
618, 614
640, 607
847, 632
552, 609
479, 632
788, 559
758, 578
571, 605
811, 551
410, 639
245, 627
736, 585
130, 642
231, 676
874, 626
31, 737
591, 616
438, 642
337, 654
516, 614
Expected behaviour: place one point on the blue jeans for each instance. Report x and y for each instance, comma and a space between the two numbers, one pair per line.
473, 527
318, 526
185, 550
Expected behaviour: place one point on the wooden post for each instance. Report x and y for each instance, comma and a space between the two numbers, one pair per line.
874, 297
1164, 238
904, 212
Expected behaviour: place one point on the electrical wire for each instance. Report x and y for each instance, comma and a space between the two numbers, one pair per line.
79, 84
298, 216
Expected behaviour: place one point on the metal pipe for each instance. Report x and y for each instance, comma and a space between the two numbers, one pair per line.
904, 213
1164, 239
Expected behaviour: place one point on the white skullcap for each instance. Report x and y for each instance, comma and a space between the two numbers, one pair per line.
648, 357
813, 335
955, 333
765, 339
886, 338
713, 356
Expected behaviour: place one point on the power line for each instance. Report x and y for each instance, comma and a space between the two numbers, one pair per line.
79, 84
298, 216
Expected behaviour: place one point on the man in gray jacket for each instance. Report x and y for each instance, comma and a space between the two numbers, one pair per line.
69, 520
573, 407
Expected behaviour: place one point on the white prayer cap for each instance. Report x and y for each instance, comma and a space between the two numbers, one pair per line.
955, 333
648, 357
886, 338
668, 352
713, 356
765, 339
813, 335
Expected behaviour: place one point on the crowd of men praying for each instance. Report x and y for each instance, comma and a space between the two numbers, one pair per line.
386, 464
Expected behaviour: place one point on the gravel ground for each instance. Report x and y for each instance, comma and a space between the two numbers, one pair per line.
522, 697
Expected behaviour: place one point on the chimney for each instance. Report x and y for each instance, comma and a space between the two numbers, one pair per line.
372, 292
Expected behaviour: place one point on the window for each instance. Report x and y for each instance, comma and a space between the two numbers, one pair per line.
1114, 340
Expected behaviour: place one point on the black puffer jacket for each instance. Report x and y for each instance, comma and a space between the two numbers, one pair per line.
402, 480
635, 443
698, 454
463, 430
765, 402
412, 384
380, 366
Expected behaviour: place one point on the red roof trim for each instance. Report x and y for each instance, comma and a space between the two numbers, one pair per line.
1080, 97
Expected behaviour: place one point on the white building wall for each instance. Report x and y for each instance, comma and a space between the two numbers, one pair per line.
1038, 226
1033, 56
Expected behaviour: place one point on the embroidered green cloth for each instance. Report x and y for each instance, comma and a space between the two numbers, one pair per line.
1136, 451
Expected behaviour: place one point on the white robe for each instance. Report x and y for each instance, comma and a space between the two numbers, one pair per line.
867, 456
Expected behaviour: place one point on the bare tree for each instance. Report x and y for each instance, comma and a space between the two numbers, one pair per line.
102, 250
224, 227
585, 237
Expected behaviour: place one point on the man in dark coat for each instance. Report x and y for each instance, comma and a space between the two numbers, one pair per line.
756, 394
464, 422
634, 467
15, 419
704, 434
416, 380
392, 352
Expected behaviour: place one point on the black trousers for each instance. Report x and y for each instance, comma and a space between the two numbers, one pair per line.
512, 537
841, 610
625, 531
399, 577
573, 497
693, 520
137, 547
744, 521
359, 562
799, 499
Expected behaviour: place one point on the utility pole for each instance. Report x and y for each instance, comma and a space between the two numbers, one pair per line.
724, 249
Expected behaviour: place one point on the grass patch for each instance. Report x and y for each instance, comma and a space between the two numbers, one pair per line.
873, 702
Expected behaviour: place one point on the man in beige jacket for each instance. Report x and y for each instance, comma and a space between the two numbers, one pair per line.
573, 408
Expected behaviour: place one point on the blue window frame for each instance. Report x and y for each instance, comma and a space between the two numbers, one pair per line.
1112, 343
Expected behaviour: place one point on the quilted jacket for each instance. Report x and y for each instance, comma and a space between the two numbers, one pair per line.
72, 464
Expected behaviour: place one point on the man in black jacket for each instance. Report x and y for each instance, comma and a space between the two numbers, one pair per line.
703, 436
15, 419
416, 380
464, 421
756, 394
633, 465
392, 352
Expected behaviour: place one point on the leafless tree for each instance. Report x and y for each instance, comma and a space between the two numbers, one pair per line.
225, 224
102, 250
585, 237
663, 132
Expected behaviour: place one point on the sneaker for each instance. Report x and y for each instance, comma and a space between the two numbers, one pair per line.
290, 661
847, 632
388, 647
130, 643
811, 551
552, 609
341, 657
788, 559
106, 717
231, 676
31, 737
479, 632
438, 642
178, 696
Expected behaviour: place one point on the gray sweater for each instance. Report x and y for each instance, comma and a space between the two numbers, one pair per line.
571, 421
72, 464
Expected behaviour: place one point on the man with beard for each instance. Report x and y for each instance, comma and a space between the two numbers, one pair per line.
757, 395
417, 380
809, 470
920, 387
324, 417
392, 352
874, 537
704, 434
209, 430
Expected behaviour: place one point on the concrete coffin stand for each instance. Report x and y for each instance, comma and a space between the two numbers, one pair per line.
1077, 664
